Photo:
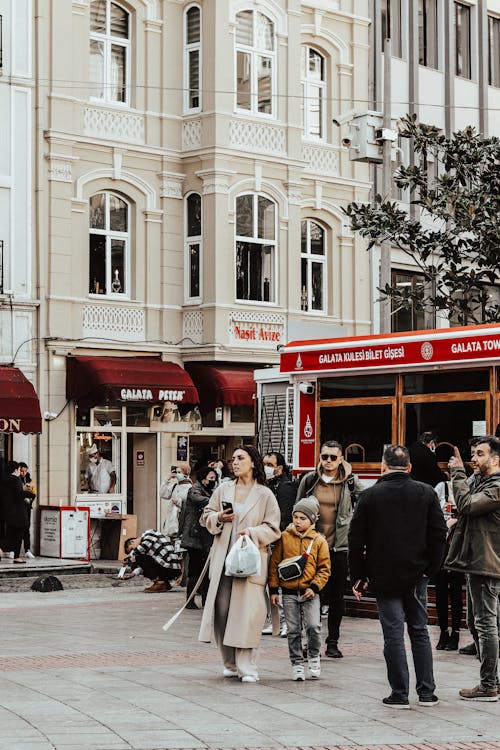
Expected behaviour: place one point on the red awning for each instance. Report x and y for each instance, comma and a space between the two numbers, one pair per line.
222, 385
99, 380
19, 405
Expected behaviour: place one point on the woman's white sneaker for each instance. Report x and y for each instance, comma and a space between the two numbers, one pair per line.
314, 667
30, 555
249, 678
230, 672
298, 674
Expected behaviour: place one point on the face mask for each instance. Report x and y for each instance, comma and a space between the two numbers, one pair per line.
211, 484
269, 472
93, 460
180, 476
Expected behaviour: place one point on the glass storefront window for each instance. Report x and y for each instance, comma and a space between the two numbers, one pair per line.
104, 416
451, 421
358, 386
138, 416
367, 428
242, 414
102, 477
446, 382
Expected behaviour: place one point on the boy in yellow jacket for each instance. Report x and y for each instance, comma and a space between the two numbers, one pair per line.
301, 603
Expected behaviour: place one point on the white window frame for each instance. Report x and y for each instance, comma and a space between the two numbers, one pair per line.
311, 258
188, 241
307, 85
112, 235
495, 78
470, 9
107, 40
254, 53
193, 47
431, 28
255, 240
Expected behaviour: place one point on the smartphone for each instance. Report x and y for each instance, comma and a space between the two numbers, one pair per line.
173, 468
359, 586
227, 507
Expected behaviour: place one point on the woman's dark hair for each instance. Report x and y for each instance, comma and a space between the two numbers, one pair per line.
203, 472
126, 545
258, 466
12, 466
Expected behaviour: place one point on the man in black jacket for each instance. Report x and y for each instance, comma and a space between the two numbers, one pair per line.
14, 498
424, 465
281, 485
397, 540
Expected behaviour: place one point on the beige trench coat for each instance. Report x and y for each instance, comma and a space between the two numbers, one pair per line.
247, 610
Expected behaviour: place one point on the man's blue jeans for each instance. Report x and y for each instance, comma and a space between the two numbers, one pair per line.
392, 613
484, 592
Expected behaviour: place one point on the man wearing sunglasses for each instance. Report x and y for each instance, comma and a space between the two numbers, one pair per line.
336, 489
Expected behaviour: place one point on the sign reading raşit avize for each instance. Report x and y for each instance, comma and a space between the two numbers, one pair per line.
427, 348
154, 395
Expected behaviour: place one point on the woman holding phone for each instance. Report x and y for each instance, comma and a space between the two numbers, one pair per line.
235, 608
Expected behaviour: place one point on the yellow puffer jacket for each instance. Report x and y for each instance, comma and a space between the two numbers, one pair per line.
318, 568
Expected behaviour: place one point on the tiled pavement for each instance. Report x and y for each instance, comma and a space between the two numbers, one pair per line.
93, 670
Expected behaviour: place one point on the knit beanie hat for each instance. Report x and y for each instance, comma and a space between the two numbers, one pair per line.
309, 506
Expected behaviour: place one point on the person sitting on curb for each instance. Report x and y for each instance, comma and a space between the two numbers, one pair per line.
153, 555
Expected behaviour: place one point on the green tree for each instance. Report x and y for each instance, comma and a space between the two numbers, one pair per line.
453, 236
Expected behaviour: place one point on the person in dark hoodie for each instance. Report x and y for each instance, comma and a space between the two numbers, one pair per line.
424, 465
281, 485
336, 489
397, 541
14, 498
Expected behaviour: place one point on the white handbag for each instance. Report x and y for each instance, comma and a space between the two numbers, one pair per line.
243, 559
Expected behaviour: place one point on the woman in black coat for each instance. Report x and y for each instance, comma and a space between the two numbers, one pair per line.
195, 538
14, 498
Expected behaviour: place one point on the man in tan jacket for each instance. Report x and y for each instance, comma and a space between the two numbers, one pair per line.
336, 489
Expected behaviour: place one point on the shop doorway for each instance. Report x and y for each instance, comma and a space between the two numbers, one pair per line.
142, 479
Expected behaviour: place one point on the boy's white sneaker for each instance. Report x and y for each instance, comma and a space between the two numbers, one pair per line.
298, 674
314, 667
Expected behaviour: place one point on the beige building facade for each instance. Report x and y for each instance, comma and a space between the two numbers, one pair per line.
190, 186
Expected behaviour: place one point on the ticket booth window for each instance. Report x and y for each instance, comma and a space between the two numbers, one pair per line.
454, 422
362, 430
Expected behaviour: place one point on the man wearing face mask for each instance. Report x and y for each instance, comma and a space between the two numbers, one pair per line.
281, 485
424, 465
100, 474
195, 538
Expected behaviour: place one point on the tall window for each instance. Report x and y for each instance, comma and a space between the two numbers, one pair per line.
192, 59
109, 51
255, 62
391, 25
494, 51
255, 248
109, 245
406, 317
193, 247
313, 265
428, 33
313, 93
462, 41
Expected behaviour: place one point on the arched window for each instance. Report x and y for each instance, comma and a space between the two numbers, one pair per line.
255, 248
313, 267
193, 247
192, 59
255, 62
313, 93
109, 51
109, 241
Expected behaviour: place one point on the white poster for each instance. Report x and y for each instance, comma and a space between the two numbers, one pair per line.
479, 428
50, 532
74, 533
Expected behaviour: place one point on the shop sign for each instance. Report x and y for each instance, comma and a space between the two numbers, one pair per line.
139, 458
10, 425
182, 448
265, 330
400, 352
153, 395
307, 431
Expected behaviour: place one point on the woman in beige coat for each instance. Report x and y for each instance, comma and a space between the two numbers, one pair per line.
235, 608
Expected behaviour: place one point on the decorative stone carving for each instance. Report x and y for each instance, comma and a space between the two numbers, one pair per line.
215, 180
191, 135
261, 330
109, 123
257, 136
171, 184
323, 160
192, 326
114, 322
60, 167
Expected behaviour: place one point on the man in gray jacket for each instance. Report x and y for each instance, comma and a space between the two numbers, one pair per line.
475, 550
336, 489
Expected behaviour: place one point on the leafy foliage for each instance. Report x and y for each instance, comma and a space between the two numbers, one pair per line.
453, 236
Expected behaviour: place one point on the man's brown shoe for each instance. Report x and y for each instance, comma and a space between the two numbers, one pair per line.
479, 694
157, 587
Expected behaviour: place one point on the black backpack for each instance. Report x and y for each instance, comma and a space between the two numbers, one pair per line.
47, 583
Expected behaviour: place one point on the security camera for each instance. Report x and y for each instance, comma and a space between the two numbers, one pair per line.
347, 141
342, 119
49, 415
307, 388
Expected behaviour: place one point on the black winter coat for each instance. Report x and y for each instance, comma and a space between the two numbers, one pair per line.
195, 536
397, 535
13, 501
285, 492
424, 467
